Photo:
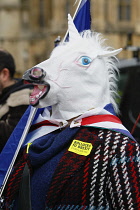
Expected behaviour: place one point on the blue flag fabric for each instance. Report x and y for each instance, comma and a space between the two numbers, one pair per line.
10, 148
82, 22
82, 19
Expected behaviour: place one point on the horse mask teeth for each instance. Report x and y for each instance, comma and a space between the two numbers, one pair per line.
38, 92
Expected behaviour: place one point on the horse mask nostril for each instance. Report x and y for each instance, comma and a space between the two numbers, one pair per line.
37, 73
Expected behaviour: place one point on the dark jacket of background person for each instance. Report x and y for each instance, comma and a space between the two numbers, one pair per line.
14, 97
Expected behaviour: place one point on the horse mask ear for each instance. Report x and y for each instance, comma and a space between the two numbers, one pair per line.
73, 32
74, 36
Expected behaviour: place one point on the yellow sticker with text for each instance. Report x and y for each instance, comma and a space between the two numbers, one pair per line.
80, 147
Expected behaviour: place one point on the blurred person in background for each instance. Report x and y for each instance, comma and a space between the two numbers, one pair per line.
14, 97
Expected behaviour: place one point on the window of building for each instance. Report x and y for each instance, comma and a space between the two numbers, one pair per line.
24, 3
67, 7
124, 10
41, 13
24, 13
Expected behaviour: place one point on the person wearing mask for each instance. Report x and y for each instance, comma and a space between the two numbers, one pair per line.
14, 97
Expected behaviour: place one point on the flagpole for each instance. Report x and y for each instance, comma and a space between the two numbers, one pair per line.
24, 134
73, 18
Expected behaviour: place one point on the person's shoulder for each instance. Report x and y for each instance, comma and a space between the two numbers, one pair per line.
19, 97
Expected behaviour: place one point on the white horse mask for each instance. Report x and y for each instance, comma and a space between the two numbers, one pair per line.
78, 76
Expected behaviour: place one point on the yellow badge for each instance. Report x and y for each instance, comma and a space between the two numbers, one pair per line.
80, 147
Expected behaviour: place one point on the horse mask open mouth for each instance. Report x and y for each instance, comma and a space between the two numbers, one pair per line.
35, 76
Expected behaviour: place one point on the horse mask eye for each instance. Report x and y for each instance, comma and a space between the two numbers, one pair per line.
84, 61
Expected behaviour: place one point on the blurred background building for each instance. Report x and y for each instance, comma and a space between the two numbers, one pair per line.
28, 29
